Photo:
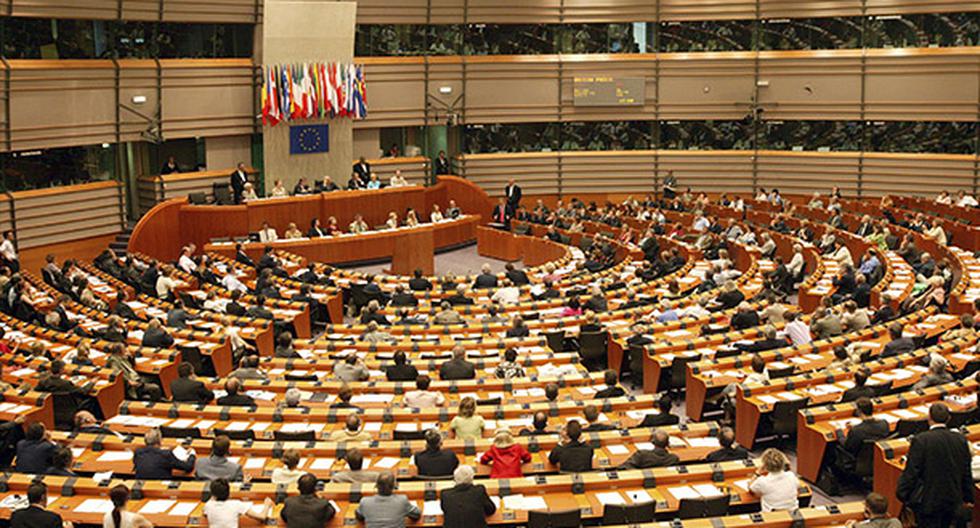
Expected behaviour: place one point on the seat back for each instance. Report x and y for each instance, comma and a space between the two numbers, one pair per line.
197, 198
222, 195
301, 377
717, 506
958, 419
784, 415
180, 432
636, 363
613, 514
297, 436
554, 519
910, 427
556, 340
864, 461
408, 435
882, 389
678, 370
522, 229
247, 434
691, 509
592, 345
784, 372
65, 406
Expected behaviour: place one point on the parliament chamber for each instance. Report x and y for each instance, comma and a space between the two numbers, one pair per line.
547, 263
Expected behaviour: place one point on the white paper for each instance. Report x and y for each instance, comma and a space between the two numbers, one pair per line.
639, 496
157, 506
183, 509
94, 506
387, 462
617, 449
255, 463
115, 456
684, 492
433, 507
610, 497
707, 490
322, 463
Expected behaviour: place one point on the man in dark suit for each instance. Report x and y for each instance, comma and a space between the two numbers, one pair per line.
459, 298
187, 389
571, 454
898, 344
151, 462
238, 180
233, 307
233, 398
936, 482
259, 310
769, 341
466, 505
591, 413
362, 169
178, 316
550, 292
403, 298
859, 390
434, 461
85, 422
728, 450
307, 510
419, 283
513, 194
35, 515
517, 277
156, 336
844, 456
170, 167
441, 165
401, 370
539, 425
612, 390
241, 257
35, 451
457, 368
665, 404
53, 382
485, 279
656, 457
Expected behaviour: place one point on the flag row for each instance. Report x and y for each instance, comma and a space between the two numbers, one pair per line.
293, 92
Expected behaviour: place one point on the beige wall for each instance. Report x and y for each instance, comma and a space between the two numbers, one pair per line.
367, 143
295, 31
225, 152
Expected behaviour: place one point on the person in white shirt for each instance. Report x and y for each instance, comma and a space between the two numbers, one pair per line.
212, 303
248, 192
842, 255
701, 223
422, 396
279, 190
506, 294
944, 198
223, 512
774, 483
436, 215
796, 263
231, 282
268, 233
118, 517
9, 252
186, 262
392, 222
165, 283
962, 200
796, 330
397, 180
288, 474
937, 233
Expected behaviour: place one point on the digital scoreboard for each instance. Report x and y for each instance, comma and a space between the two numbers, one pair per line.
609, 91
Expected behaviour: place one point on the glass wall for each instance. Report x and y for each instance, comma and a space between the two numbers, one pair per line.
53, 167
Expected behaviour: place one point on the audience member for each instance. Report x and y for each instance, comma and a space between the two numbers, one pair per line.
386, 510
434, 461
465, 505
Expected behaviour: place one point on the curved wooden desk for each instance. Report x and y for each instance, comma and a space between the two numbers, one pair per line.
172, 224
375, 245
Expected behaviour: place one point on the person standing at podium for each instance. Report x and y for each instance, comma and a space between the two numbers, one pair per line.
362, 169
501, 214
513, 194
238, 180
441, 165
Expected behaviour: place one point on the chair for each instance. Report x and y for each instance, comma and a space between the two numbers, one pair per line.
969, 369
784, 372
636, 364
592, 346
565, 239
701, 507
556, 340
864, 461
678, 371
906, 428
613, 514
408, 435
180, 432
585, 243
557, 519
882, 389
784, 416
958, 419
222, 196
197, 198
522, 229
65, 406
301, 377
291, 436
247, 434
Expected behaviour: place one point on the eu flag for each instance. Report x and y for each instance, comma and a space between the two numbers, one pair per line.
309, 139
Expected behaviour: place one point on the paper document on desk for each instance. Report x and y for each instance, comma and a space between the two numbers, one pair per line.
181, 453
183, 509
684, 492
255, 463
704, 441
115, 456
617, 449
610, 497
707, 490
432, 507
94, 506
639, 496
157, 506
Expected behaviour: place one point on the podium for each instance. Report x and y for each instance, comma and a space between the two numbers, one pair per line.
414, 250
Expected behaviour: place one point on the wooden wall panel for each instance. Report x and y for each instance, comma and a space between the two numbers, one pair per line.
589, 172
223, 11
929, 84
609, 11
514, 11
809, 8
917, 174
445, 72
89, 9
707, 10
518, 89
709, 171
140, 9
61, 214
535, 172
136, 78
706, 85
806, 172
386, 12
892, 7
396, 93
811, 87
617, 66
61, 103
207, 98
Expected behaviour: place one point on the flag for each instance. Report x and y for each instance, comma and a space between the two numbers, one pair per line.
312, 91
309, 139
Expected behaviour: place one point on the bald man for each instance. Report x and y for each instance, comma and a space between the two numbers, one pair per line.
232, 388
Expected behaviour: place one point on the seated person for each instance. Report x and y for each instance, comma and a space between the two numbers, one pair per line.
769, 341
232, 396
860, 389
457, 368
664, 417
422, 397
571, 454
612, 389
344, 396
36, 451
354, 472
898, 344
729, 450
592, 415
151, 462
875, 514
187, 389
775, 485
505, 456
217, 465
937, 375
434, 461
351, 368
539, 425
352, 431
156, 336
656, 457
386, 509
307, 509
401, 370
869, 428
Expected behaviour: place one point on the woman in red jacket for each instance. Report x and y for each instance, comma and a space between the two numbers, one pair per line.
505, 456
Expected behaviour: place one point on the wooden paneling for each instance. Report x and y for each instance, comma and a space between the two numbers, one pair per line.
89, 9
809, 8
62, 214
811, 87
396, 92
215, 11
413, 169
706, 85
517, 88
223, 11
61, 103
937, 84
136, 78
514, 11
599, 175
207, 97
592, 11
640, 66
84, 249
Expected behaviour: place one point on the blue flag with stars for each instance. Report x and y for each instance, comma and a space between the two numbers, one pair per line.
309, 139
